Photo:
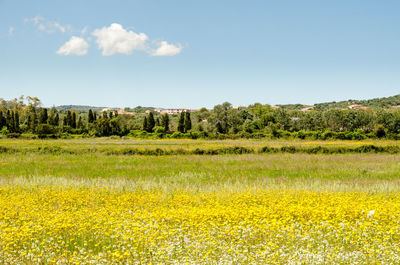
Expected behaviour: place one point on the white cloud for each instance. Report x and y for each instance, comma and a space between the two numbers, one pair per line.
48, 26
166, 49
84, 30
34, 20
75, 46
117, 40
11, 31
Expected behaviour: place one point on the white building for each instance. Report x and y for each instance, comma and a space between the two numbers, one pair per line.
175, 110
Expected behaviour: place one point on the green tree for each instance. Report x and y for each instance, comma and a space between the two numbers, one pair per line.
80, 123
188, 122
90, 116
52, 117
73, 124
35, 120
102, 127
165, 122
150, 122
16, 122
181, 123
219, 119
9, 120
145, 124
56, 120
68, 120
43, 117
2, 120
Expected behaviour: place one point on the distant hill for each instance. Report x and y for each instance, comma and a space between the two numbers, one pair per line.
84, 108
374, 103
79, 108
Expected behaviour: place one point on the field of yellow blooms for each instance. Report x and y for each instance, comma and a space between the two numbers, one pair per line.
82, 225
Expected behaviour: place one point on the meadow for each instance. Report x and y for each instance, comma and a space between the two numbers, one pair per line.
91, 201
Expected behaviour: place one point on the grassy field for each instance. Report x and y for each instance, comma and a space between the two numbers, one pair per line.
85, 204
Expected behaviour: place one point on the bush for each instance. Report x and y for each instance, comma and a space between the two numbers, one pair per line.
4, 131
380, 131
44, 129
159, 130
176, 135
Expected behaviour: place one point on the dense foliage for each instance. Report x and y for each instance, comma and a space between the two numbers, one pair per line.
387, 102
25, 116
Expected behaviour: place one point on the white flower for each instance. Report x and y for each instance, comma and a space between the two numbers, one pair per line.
370, 214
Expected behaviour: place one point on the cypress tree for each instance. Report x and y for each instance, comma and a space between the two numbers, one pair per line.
150, 122
158, 121
105, 115
65, 121
145, 124
30, 124
181, 123
34, 120
43, 116
165, 122
69, 119
1, 120
94, 116
90, 116
73, 125
80, 123
52, 117
56, 120
110, 115
8, 120
16, 121
188, 122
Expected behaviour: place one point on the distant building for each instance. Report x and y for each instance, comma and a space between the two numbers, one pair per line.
239, 107
123, 112
275, 107
174, 111
106, 109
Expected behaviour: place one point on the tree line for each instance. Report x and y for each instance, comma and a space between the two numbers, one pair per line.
27, 117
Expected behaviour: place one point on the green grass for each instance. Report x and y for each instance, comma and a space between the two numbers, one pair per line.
375, 172
186, 147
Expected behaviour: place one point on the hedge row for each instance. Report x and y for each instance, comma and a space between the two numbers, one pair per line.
278, 134
392, 149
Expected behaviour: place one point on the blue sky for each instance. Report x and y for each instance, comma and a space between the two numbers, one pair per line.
189, 53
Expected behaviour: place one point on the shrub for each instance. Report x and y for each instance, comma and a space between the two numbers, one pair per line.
380, 131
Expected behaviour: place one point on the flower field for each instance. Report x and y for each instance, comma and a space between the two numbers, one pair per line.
83, 225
